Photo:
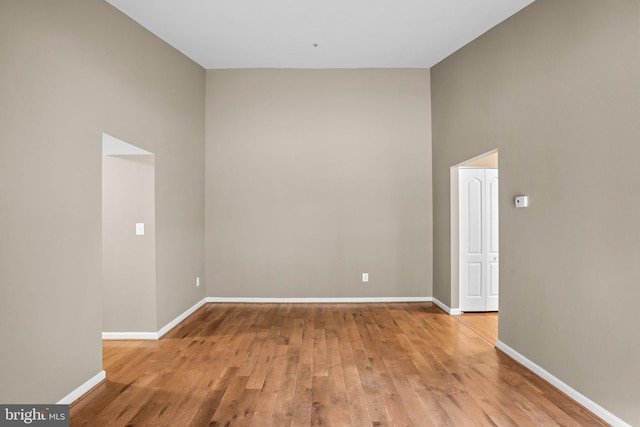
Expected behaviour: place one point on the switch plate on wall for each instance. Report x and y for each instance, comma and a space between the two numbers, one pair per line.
365, 277
139, 228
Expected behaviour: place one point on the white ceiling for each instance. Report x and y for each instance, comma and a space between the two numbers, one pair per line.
349, 33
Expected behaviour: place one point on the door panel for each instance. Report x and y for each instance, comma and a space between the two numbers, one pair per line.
474, 216
492, 253
492, 292
472, 271
479, 240
492, 212
474, 290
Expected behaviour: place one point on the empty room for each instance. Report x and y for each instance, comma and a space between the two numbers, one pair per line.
287, 213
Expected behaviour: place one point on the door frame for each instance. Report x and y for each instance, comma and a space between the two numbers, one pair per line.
481, 160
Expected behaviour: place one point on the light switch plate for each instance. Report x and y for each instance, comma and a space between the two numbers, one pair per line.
139, 228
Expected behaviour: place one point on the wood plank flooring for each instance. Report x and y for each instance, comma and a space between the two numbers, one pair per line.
484, 324
401, 364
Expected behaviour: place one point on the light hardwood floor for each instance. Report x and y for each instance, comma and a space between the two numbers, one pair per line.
484, 324
404, 364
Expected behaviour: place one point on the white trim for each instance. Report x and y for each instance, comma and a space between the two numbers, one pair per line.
84, 388
166, 328
563, 387
129, 335
317, 300
153, 335
449, 310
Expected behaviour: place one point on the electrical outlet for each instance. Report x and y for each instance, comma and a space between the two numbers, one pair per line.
365, 277
197, 282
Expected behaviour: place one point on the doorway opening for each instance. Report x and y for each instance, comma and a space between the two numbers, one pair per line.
128, 240
474, 234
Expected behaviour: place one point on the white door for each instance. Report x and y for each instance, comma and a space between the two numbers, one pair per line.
492, 252
478, 205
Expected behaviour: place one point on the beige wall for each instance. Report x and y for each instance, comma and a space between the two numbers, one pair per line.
72, 69
556, 90
128, 259
315, 177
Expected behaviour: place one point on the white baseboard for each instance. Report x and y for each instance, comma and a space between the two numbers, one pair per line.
153, 335
84, 388
446, 308
563, 387
129, 335
317, 300
166, 328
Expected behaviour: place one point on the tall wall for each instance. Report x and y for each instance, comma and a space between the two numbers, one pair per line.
315, 177
72, 69
556, 90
